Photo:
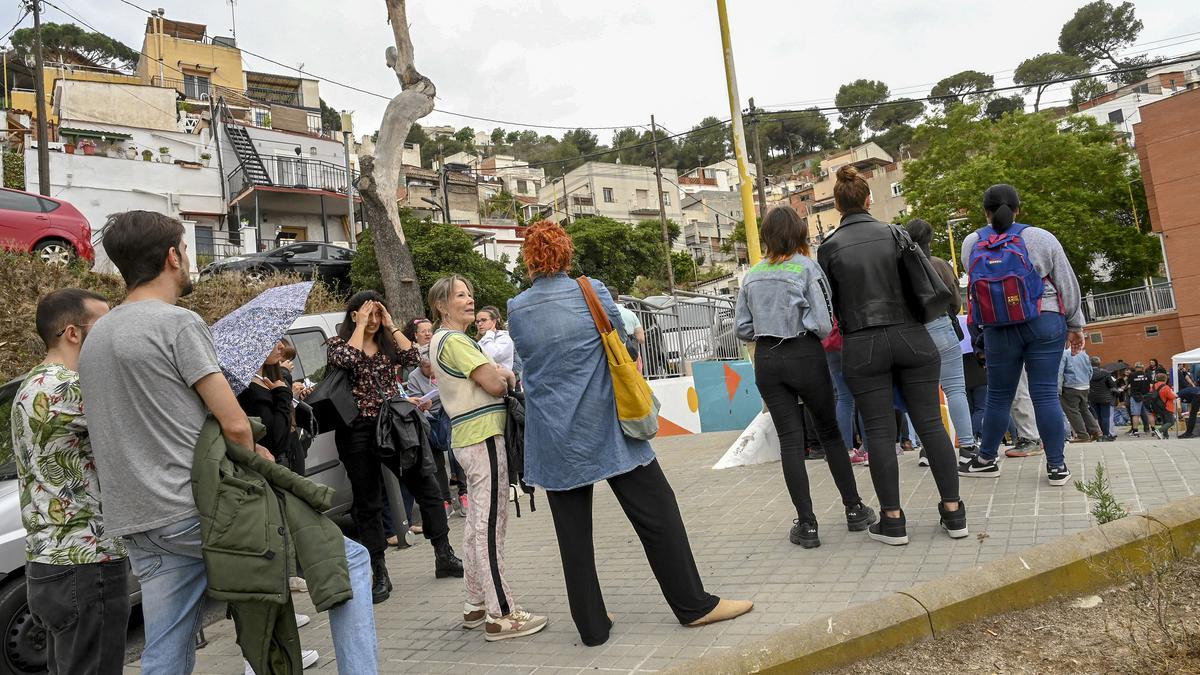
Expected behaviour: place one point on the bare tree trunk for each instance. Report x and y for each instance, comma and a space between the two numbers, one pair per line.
381, 167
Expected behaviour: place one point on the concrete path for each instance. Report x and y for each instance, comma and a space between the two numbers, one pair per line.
738, 521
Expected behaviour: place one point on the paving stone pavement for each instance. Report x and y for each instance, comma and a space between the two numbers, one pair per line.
738, 521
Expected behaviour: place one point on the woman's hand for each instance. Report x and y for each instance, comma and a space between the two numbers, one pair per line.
287, 365
509, 376
385, 317
1075, 340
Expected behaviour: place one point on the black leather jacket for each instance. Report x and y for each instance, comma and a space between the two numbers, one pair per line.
862, 264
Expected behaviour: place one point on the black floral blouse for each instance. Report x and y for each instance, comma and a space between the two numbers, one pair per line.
375, 377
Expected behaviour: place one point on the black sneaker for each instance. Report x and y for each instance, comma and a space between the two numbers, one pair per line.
804, 534
1058, 475
816, 453
977, 467
954, 522
859, 517
1187, 434
1107, 439
922, 459
968, 451
890, 531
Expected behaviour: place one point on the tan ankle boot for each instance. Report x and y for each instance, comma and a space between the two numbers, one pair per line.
724, 611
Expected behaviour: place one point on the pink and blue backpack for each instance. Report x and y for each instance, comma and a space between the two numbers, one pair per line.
1003, 287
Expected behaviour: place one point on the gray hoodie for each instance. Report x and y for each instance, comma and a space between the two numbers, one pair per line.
1062, 293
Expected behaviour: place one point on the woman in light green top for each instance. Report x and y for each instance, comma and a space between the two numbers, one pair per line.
472, 387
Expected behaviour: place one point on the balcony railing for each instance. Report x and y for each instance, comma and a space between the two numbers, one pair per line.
1132, 302
304, 174
198, 90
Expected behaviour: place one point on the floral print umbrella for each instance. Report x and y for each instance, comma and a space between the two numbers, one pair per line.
245, 337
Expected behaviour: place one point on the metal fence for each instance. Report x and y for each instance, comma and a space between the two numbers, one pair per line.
689, 327
307, 174
1149, 299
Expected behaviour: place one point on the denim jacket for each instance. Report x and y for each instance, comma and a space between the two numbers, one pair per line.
784, 300
572, 435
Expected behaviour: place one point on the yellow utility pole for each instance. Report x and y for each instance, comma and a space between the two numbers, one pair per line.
739, 139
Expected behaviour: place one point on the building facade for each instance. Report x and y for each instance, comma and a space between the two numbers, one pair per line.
709, 217
623, 192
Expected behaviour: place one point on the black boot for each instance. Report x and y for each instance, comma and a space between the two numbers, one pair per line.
381, 585
446, 564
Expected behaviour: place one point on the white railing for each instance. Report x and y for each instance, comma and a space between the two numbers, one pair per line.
1150, 299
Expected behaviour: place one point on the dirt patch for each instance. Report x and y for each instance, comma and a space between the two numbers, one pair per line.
1149, 625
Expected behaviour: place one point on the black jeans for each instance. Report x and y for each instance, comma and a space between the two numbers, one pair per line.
85, 609
788, 373
649, 504
364, 468
874, 360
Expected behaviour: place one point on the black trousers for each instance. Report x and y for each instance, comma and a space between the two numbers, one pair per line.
364, 468
874, 361
85, 609
649, 504
788, 373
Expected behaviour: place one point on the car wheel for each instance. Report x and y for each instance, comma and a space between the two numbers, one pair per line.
24, 649
54, 252
257, 275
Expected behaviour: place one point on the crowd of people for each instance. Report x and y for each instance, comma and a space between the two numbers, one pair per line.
861, 347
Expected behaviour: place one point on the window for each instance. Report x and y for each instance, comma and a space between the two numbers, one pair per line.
666, 198
1151, 331
643, 198
897, 189
204, 241
310, 359
314, 123
608, 195
196, 86
303, 251
47, 205
16, 201
338, 253
1096, 338
522, 186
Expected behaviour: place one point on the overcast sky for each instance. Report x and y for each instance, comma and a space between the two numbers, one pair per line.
614, 62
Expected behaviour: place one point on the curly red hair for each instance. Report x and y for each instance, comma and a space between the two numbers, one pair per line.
548, 248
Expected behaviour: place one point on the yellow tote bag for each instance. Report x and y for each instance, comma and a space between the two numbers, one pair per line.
637, 407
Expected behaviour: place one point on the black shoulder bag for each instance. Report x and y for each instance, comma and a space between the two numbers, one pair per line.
924, 290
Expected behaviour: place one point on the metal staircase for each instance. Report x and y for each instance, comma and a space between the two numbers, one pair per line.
250, 163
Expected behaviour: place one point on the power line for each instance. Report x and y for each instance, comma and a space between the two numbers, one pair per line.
15, 25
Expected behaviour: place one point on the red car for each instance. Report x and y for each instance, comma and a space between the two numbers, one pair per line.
50, 228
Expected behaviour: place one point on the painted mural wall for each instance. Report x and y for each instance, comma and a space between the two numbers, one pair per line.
720, 396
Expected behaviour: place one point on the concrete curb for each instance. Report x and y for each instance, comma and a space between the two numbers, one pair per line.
1078, 563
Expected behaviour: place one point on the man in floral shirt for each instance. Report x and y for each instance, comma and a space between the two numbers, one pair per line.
77, 578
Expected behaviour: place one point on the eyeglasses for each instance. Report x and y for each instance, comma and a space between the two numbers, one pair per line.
79, 326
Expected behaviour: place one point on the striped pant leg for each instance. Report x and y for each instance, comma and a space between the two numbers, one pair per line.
486, 467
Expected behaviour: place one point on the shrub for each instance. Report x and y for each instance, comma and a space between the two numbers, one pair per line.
14, 170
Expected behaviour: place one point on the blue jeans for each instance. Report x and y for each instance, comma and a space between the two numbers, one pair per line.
845, 400
1037, 347
977, 398
168, 563
954, 384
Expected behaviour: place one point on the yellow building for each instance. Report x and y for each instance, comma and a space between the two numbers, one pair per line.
181, 55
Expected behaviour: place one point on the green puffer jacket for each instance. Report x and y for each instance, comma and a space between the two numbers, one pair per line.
257, 519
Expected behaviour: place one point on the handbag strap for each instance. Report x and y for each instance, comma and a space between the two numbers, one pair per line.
599, 317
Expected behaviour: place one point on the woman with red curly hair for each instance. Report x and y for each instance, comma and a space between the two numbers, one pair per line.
573, 440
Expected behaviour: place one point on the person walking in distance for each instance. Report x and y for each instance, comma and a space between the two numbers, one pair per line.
76, 574
944, 331
885, 345
1100, 399
374, 352
1163, 399
783, 307
1076, 376
574, 440
150, 379
472, 386
1139, 391
1024, 327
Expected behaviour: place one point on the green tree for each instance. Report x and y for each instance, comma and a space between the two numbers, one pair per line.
1085, 90
498, 136
685, 267
584, 141
466, 136
503, 205
998, 107
796, 133
894, 113
1098, 31
1074, 182
895, 138
961, 87
855, 101
331, 120
701, 146
70, 44
616, 253
438, 250
1036, 71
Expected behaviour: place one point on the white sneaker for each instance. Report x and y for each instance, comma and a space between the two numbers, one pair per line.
302, 620
518, 623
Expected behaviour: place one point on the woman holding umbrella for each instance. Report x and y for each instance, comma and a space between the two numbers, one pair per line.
374, 353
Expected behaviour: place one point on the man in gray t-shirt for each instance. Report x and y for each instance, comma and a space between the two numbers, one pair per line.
139, 368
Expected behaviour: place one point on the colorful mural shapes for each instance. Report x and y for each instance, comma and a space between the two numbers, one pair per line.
728, 397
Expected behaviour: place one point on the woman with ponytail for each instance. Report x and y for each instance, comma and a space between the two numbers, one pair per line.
886, 346
1032, 340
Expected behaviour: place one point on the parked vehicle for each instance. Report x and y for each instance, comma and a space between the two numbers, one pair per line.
52, 229
327, 262
23, 650
693, 328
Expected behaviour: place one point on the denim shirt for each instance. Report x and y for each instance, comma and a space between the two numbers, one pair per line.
1075, 371
784, 300
572, 436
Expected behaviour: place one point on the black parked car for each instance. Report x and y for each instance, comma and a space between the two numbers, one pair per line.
329, 263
